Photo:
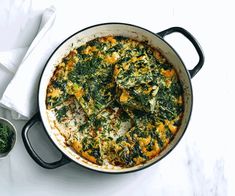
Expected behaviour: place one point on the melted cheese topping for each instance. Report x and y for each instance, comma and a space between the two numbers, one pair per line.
116, 101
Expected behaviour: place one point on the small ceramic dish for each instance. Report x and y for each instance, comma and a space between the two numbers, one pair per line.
9, 128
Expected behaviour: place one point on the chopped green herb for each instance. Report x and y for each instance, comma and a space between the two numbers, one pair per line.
6, 136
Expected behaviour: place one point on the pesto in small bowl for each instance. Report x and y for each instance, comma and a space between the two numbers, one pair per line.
7, 137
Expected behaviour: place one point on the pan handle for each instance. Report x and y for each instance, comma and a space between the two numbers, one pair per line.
190, 37
63, 160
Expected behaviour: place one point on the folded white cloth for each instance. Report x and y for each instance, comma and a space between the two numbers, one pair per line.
25, 66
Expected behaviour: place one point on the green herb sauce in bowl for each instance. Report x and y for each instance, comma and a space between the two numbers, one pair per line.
7, 137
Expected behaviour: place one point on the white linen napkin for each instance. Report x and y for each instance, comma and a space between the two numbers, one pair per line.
25, 66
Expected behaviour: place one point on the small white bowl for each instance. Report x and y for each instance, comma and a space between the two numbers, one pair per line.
12, 128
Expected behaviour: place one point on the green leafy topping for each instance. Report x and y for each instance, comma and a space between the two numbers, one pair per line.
130, 96
61, 113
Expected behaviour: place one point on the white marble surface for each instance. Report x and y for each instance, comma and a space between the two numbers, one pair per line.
201, 164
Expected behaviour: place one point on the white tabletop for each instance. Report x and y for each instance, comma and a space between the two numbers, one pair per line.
201, 164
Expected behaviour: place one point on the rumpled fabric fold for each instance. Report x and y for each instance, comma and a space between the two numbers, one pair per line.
25, 66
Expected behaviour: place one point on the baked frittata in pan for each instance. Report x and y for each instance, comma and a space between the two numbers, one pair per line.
116, 101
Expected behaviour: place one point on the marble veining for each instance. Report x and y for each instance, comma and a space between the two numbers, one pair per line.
201, 183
